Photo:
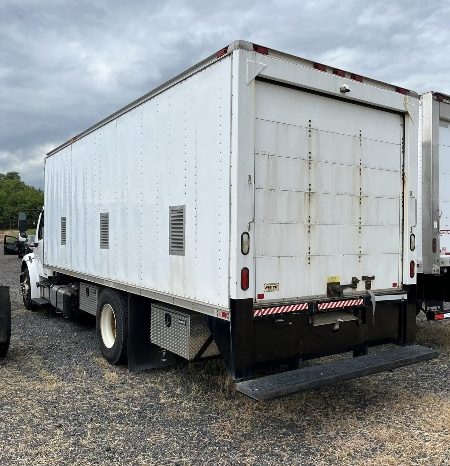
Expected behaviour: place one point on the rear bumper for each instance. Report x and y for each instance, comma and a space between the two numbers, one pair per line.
312, 306
258, 336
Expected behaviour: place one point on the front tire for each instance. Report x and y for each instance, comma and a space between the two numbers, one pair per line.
25, 286
112, 326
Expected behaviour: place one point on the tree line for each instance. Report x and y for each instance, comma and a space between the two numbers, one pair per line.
16, 196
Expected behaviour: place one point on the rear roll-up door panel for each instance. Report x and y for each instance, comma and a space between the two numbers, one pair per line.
328, 193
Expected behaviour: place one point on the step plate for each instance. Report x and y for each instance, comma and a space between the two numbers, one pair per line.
286, 383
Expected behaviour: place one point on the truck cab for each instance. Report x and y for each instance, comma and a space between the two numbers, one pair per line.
32, 270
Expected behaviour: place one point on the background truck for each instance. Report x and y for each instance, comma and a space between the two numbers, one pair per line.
433, 281
5, 320
277, 200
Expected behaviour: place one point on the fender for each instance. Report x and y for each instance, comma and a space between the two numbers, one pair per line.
29, 262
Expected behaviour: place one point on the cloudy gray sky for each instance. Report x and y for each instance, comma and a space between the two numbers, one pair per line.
65, 64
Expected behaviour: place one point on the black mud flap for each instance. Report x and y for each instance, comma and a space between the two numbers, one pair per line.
142, 354
286, 383
5, 320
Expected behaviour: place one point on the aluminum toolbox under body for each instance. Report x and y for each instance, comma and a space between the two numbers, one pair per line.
88, 298
184, 333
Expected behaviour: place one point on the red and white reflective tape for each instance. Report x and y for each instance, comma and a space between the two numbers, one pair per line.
339, 304
268, 311
445, 315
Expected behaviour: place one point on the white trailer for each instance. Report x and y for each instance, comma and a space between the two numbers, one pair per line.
433, 287
258, 205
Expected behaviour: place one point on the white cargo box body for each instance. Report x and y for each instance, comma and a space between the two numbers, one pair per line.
322, 179
434, 183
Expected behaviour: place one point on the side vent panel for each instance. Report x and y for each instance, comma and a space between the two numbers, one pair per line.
63, 231
104, 230
176, 230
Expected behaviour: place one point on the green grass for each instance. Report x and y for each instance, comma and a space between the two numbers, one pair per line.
30, 231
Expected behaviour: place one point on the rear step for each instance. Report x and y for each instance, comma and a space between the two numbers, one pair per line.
286, 383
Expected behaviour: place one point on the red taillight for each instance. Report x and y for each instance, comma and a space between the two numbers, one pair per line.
400, 90
439, 317
339, 73
434, 245
261, 49
221, 52
245, 278
412, 269
318, 66
260, 296
224, 314
356, 77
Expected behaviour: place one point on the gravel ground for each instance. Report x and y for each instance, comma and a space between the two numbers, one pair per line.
61, 403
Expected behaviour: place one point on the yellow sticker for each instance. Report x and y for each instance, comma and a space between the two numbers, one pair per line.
334, 279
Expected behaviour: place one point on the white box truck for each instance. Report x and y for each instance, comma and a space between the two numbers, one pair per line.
433, 282
259, 206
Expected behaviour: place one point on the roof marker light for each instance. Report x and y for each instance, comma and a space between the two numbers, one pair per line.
260, 49
222, 52
320, 67
339, 73
400, 90
356, 77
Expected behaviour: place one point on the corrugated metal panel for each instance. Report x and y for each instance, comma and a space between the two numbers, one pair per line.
444, 187
328, 193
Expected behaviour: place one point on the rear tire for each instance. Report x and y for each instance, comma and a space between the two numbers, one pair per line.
25, 285
112, 326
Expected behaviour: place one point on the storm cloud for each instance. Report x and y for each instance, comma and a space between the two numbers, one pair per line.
66, 64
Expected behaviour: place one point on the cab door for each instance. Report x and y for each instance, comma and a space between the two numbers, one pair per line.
10, 246
39, 248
